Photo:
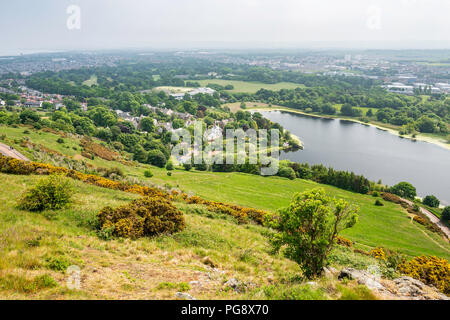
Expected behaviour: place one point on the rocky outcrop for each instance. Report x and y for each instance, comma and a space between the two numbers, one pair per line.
403, 288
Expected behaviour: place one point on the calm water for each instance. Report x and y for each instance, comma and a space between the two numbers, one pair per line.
369, 151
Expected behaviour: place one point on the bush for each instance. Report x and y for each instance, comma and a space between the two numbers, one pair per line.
149, 216
157, 158
60, 140
58, 264
430, 270
148, 174
378, 253
379, 203
187, 166
431, 201
391, 197
169, 173
308, 228
404, 190
446, 214
344, 242
169, 165
287, 172
51, 193
420, 220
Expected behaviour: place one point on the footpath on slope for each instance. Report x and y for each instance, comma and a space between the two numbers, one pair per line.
432, 218
11, 152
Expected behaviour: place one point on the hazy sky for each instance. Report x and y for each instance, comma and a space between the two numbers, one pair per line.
42, 24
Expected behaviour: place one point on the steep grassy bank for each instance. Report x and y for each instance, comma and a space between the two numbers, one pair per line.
37, 248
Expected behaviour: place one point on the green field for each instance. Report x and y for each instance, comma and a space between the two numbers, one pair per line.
91, 81
250, 87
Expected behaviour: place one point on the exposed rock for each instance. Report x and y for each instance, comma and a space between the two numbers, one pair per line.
403, 288
312, 284
236, 285
195, 283
362, 277
410, 287
329, 272
185, 296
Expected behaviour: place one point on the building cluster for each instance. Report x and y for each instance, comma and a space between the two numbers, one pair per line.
180, 96
407, 84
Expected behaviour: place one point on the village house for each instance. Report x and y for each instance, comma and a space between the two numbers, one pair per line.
33, 104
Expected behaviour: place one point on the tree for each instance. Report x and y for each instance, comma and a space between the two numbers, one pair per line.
405, 190
147, 125
309, 226
328, 109
156, 158
29, 116
446, 214
431, 201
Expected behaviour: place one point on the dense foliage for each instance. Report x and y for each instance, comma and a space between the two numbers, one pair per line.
51, 193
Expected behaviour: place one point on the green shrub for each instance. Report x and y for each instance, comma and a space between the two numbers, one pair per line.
60, 140
169, 174
148, 174
58, 263
379, 203
149, 216
51, 193
308, 228
169, 165
287, 172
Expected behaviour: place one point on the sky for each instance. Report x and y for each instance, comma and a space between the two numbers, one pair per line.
28, 25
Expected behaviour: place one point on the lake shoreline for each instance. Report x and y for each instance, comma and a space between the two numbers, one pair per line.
390, 130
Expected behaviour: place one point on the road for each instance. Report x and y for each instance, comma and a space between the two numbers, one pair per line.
7, 151
432, 218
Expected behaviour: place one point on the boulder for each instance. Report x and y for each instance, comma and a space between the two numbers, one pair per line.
184, 296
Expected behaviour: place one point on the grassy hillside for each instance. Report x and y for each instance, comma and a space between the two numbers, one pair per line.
387, 226
36, 248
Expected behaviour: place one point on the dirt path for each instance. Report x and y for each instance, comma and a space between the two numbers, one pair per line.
432, 218
7, 151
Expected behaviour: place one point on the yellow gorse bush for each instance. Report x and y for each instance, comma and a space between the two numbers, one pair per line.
430, 270
148, 216
378, 253
344, 242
